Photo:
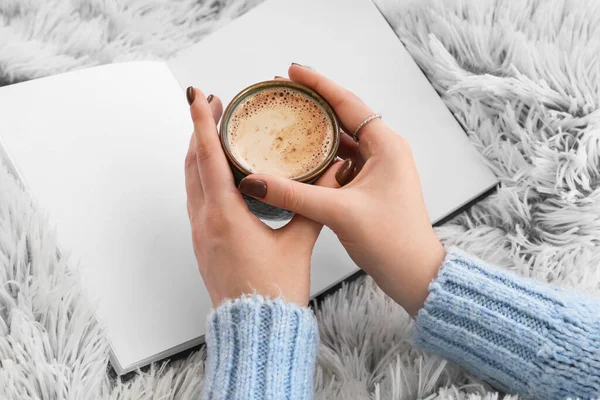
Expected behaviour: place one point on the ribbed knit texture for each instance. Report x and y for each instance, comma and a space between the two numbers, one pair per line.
260, 349
519, 335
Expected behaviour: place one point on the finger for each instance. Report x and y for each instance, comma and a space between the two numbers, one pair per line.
216, 106
215, 174
350, 109
346, 172
305, 230
348, 147
318, 203
328, 179
193, 186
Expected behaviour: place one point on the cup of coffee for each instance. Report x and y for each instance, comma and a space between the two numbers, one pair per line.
280, 128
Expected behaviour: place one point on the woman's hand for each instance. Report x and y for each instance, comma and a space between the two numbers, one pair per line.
236, 252
380, 216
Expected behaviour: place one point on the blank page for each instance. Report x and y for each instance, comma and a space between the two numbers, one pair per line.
102, 150
352, 43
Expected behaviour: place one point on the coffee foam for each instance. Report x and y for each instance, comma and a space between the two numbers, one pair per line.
280, 131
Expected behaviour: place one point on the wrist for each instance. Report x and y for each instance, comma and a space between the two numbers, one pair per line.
426, 270
431, 267
405, 275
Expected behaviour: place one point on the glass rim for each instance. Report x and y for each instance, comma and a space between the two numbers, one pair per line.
273, 84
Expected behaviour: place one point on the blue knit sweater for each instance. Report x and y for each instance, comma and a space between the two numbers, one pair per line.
519, 335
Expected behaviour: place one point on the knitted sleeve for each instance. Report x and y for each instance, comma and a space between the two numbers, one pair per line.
260, 349
519, 335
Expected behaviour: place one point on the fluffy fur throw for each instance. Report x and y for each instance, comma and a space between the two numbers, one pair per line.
522, 77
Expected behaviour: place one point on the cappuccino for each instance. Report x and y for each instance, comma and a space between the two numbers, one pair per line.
280, 131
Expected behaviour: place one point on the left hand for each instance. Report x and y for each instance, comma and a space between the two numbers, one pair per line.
236, 252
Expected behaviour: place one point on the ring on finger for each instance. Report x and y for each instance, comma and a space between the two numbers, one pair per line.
362, 125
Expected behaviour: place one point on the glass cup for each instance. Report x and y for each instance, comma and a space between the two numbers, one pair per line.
257, 207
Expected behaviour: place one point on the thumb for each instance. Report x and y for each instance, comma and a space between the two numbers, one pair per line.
305, 230
319, 202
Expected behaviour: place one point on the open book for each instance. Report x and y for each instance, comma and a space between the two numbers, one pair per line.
102, 150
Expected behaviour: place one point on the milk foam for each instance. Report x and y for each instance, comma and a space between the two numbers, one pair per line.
280, 131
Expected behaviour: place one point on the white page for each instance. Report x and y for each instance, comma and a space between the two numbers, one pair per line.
102, 150
352, 43
81, 142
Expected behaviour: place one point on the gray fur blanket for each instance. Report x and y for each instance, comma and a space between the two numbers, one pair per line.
523, 77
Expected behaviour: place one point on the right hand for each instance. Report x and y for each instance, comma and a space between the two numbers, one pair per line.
379, 216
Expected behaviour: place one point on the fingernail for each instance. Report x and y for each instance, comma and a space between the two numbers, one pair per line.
304, 66
344, 173
279, 77
190, 94
253, 187
209, 98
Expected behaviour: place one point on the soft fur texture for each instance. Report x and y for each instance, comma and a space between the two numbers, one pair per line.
523, 78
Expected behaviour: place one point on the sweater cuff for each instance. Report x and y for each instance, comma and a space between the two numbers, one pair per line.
518, 334
260, 348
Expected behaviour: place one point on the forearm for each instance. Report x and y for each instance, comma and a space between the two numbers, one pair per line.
518, 334
258, 349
